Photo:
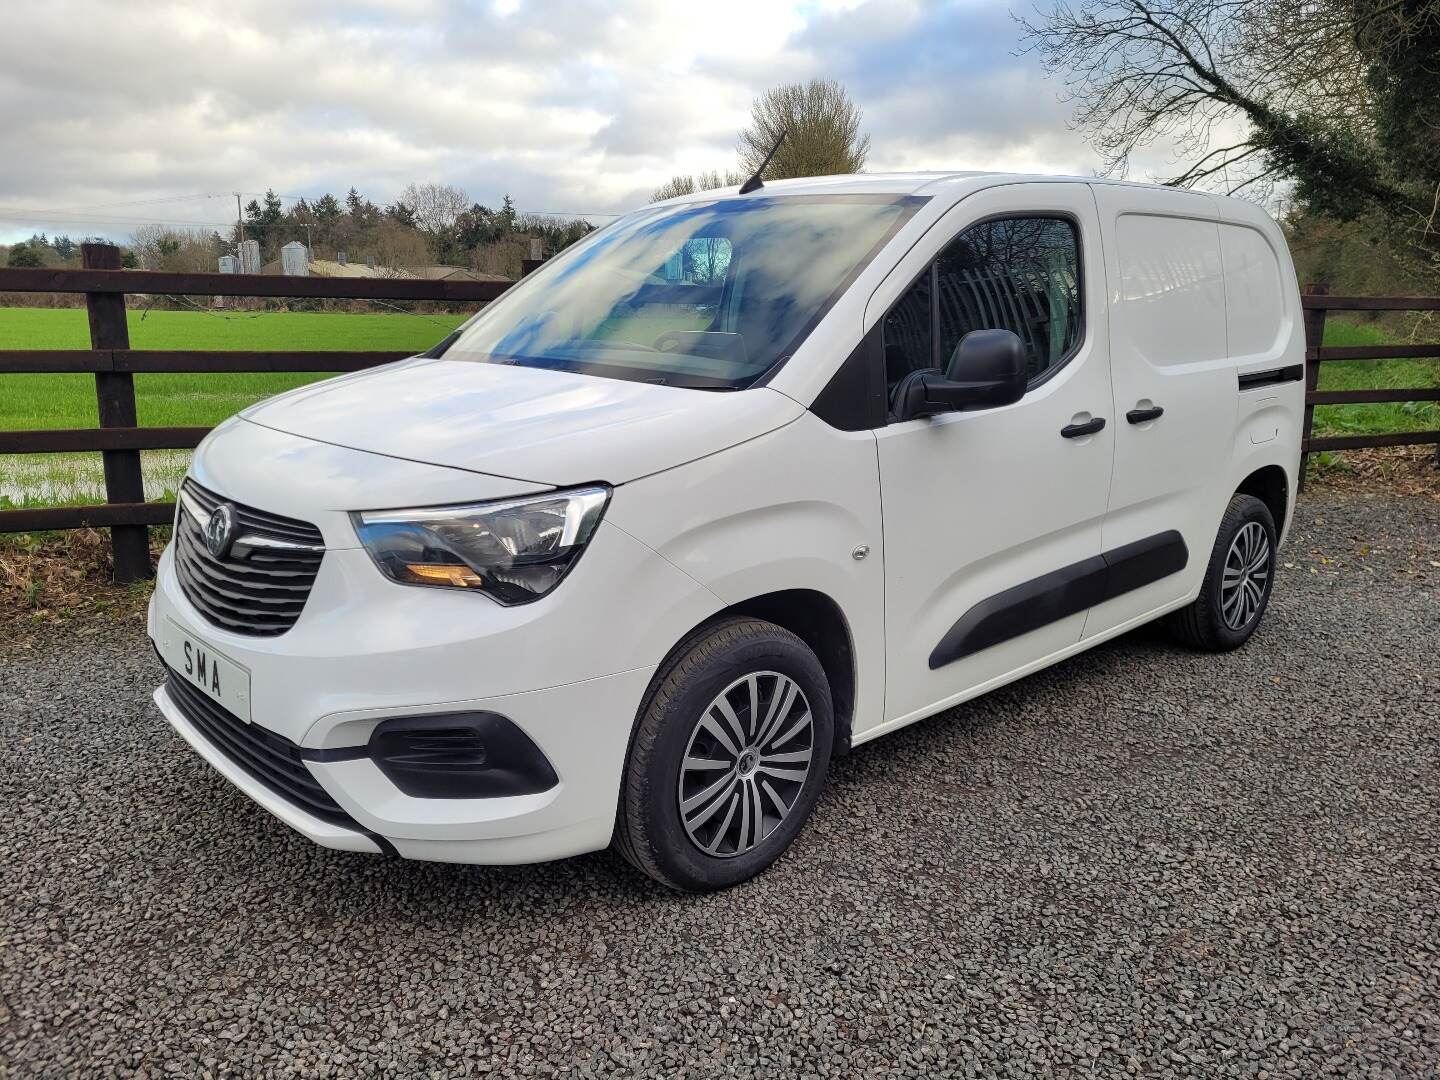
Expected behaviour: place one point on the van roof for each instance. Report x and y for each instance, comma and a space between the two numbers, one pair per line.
906, 183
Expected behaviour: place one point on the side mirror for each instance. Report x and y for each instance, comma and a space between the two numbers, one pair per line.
987, 370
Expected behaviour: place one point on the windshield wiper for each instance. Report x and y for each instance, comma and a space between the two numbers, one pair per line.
691, 382
438, 349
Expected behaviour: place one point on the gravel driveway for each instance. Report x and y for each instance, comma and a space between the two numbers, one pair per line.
1144, 861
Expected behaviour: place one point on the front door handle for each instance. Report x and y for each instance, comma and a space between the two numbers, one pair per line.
1090, 427
1141, 416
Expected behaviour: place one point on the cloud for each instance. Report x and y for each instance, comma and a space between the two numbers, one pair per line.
568, 105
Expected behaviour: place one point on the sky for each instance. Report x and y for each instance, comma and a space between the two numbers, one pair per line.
108, 110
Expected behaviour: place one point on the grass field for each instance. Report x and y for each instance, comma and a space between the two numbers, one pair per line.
68, 401
1373, 375
63, 401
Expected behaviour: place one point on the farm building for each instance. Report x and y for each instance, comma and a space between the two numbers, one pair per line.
334, 268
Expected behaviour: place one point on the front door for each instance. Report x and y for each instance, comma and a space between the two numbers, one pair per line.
992, 518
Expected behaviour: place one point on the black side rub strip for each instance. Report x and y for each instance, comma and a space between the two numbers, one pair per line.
1253, 380
1061, 593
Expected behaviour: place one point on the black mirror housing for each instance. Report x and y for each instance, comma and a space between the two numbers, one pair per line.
986, 370
993, 360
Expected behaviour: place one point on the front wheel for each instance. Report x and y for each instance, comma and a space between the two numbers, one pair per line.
1238, 580
728, 757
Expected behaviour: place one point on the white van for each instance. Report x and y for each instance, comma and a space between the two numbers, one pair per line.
730, 487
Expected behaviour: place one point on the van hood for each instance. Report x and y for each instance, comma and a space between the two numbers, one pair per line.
544, 427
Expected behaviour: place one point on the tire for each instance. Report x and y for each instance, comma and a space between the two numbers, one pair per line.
1218, 620
679, 722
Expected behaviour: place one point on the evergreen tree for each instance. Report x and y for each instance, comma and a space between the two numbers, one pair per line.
401, 214
24, 255
327, 209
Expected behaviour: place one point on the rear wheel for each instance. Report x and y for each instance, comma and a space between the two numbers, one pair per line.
728, 757
1238, 579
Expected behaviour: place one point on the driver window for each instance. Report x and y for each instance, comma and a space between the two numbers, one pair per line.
1020, 274
909, 334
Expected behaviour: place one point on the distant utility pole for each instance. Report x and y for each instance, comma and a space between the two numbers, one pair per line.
239, 219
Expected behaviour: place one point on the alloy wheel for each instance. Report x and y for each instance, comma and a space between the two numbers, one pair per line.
1247, 575
746, 763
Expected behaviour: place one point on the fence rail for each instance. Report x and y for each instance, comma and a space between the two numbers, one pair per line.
120, 438
1317, 304
111, 280
160, 361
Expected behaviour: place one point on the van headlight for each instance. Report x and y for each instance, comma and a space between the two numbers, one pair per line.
513, 551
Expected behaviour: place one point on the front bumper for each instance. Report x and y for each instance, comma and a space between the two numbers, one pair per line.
366, 650
575, 816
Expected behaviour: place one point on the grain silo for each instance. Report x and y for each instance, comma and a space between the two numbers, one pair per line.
250, 257
294, 259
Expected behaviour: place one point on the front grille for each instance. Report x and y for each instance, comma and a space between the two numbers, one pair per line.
261, 594
270, 758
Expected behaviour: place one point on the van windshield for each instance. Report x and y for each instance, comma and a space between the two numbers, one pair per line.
709, 295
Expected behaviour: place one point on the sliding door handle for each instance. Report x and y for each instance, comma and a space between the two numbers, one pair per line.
1090, 427
1141, 416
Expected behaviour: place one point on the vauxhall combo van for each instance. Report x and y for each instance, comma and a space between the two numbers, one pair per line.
738, 483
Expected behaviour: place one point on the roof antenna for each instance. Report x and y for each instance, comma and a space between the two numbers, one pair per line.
755, 183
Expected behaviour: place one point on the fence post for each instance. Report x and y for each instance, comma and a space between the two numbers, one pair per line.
115, 398
536, 259
1314, 338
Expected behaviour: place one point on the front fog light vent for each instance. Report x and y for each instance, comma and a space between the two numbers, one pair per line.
459, 747
477, 755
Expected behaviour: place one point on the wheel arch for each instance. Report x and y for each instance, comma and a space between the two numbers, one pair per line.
1270, 485
815, 619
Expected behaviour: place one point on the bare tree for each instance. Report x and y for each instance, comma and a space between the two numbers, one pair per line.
505, 256
398, 248
706, 260
688, 185
435, 208
1323, 94
821, 126
163, 247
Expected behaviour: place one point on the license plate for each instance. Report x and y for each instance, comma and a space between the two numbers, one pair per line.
206, 668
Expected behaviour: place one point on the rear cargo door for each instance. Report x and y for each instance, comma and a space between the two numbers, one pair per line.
1175, 394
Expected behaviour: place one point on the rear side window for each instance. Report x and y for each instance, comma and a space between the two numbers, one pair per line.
1020, 274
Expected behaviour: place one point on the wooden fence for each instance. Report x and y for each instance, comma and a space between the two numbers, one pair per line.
1317, 303
114, 364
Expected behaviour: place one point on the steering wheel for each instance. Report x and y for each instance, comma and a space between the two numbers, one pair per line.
667, 341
